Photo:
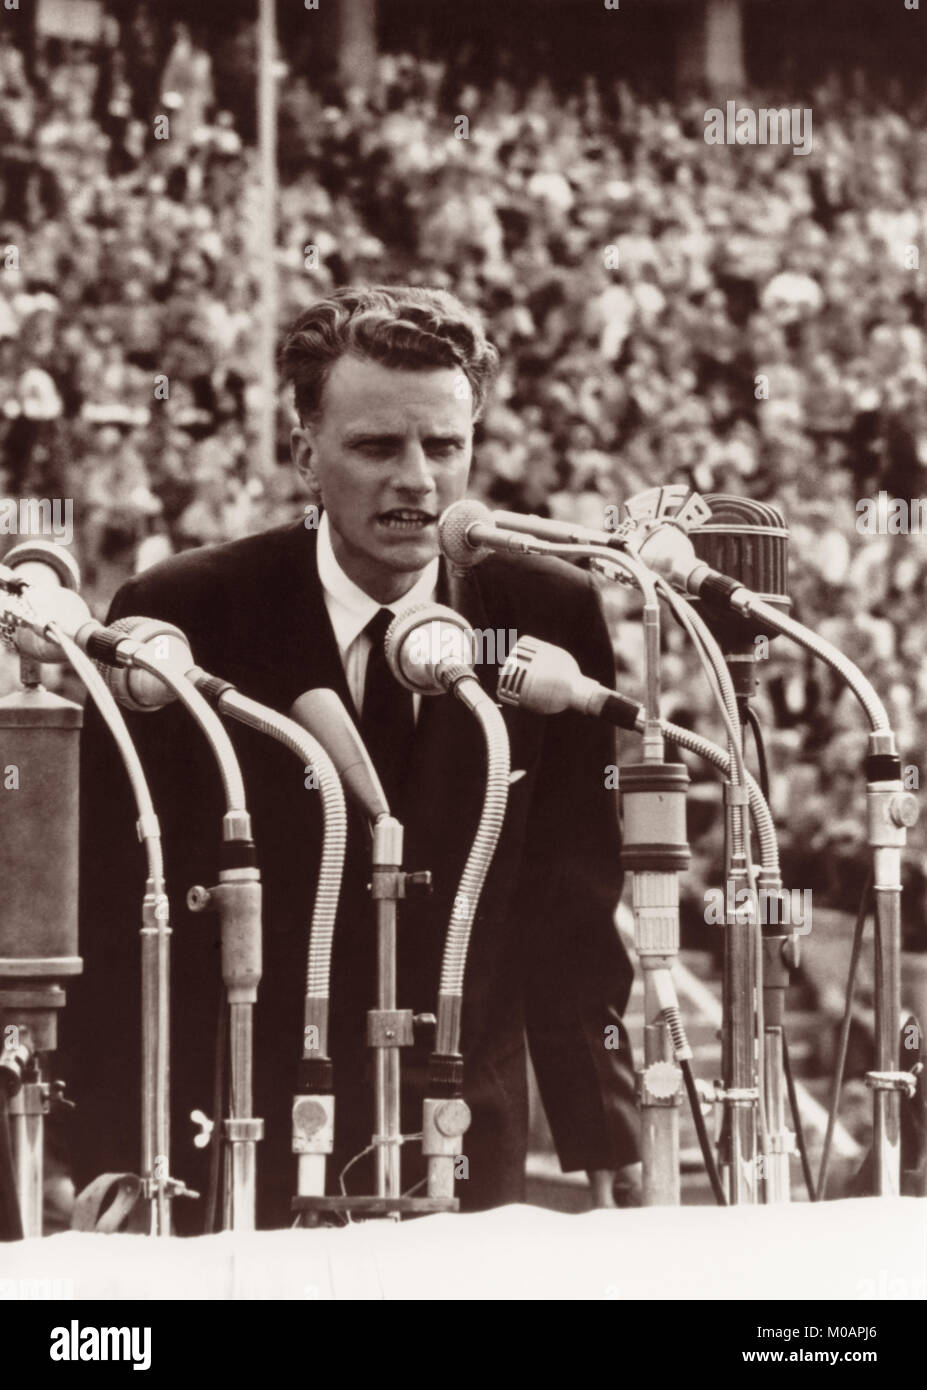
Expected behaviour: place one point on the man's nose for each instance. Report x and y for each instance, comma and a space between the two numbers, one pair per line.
413, 470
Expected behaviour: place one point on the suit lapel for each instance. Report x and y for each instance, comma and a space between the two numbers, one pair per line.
306, 655
448, 743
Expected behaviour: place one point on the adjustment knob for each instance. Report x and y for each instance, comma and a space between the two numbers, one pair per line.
903, 809
662, 1080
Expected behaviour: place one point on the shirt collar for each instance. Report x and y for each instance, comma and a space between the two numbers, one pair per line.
349, 607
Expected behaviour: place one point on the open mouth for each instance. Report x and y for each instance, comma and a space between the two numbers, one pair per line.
408, 519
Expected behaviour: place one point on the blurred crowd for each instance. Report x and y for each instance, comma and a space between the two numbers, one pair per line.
738, 318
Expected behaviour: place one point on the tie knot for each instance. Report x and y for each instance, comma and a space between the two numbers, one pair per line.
376, 628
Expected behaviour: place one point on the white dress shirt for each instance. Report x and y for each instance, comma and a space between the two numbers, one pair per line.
350, 610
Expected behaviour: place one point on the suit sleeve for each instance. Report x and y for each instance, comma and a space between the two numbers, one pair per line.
578, 974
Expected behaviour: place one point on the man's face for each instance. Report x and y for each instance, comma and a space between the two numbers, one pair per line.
389, 451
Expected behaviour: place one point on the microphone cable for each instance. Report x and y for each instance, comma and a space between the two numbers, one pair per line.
218, 1110
762, 764
701, 1130
797, 1120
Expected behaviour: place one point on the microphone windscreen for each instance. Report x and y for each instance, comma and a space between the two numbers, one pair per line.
39, 562
50, 604
140, 690
452, 532
538, 677
420, 638
749, 541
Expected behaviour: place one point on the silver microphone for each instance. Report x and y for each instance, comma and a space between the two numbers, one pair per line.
429, 649
467, 535
322, 714
137, 689
545, 679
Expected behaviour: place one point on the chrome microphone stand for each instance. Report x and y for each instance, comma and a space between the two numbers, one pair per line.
389, 1028
891, 810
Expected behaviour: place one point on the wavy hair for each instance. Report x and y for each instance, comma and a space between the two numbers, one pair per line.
396, 325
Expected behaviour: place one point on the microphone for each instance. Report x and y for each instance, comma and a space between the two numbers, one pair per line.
547, 680
429, 649
41, 562
43, 580
322, 714
134, 688
747, 541
559, 532
688, 511
33, 609
467, 535
686, 538
748, 538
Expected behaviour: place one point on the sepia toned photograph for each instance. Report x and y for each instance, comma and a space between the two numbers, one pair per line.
463, 667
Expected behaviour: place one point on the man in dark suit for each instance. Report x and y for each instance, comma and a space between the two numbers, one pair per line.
388, 383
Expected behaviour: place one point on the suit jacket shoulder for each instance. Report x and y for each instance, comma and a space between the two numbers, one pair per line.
202, 575
238, 597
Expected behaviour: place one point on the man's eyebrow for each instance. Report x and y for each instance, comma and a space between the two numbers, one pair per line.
358, 436
355, 437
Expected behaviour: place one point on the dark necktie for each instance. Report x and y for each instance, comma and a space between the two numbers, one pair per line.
387, 718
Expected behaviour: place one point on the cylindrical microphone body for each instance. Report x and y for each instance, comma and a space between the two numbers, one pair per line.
655, 848
748, 541
653, 799
322, 714
39, 748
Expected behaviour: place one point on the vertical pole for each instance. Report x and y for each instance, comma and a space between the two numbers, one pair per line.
710, 46
26, 1112
357, 42
387, 859
267, 254
886, 1130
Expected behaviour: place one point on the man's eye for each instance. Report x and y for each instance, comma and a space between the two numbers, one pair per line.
442, 448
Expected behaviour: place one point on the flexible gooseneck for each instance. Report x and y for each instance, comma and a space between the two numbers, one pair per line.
26, 609
236, 897
155, 968
891, 810
314, 1105
429, 649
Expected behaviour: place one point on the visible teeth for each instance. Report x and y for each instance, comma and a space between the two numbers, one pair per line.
405, 519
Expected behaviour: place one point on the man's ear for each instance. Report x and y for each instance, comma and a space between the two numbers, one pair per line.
302, 451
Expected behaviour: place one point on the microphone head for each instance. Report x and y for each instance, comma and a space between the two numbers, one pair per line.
139, 690
749, 541
322, 714
453, 525
539, 677
423, 638
44, 563
48, 603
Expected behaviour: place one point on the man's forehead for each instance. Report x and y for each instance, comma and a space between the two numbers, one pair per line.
361, 393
